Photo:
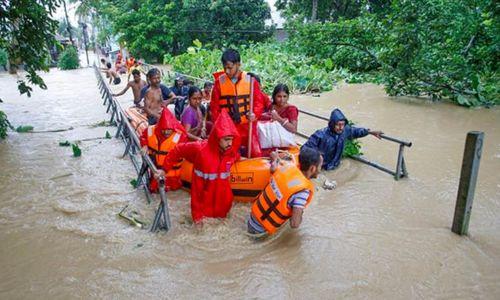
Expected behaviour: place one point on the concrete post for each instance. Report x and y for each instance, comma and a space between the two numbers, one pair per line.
468, 178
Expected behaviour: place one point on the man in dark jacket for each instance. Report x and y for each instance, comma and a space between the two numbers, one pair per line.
329, 141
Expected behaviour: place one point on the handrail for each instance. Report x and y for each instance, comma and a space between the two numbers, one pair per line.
129, 136
383, 136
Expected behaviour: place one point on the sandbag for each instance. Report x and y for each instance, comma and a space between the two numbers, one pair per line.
274, 135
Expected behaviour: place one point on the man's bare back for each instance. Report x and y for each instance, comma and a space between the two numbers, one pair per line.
153, 104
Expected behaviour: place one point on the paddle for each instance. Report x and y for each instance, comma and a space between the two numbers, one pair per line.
250, 122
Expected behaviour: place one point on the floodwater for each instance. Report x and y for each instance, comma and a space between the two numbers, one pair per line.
371, 237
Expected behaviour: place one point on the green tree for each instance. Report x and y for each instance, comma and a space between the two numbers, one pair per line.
328, 10
436, 48
68, 59
26, 31
224, 22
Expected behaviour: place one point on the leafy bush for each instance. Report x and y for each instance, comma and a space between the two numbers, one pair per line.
435, 48
272, 62
4, 57
4, 125
68, 59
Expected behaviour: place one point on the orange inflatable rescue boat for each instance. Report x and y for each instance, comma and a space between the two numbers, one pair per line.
249, 176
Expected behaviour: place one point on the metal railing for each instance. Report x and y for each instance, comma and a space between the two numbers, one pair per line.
400, 171
142, 164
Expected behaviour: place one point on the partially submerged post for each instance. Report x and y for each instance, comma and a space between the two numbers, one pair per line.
468, 178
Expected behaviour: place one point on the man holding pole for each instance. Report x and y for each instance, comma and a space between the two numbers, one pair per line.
239, 94
329, 141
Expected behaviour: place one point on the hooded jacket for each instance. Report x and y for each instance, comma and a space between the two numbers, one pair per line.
166, 121
211, 194
331, 144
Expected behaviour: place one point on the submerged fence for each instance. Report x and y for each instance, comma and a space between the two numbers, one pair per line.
141, 161
400, 170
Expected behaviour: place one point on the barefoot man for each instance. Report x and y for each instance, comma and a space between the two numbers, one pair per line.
153, 104
137, 84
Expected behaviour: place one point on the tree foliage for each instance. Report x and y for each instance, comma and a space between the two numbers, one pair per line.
152, 28
436, 48
26, 30
68, 59
329, 10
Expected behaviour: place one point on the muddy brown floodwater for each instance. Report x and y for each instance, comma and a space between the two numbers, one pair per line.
371, 238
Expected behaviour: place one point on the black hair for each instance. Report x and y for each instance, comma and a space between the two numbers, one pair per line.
152, 72
207, 84
254, 76
308, 157
281, 87
193, 89
103, 60
108, 65
188, 82
136, 72
230, 55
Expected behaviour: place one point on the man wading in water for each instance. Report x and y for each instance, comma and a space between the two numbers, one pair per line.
137, 84
211, 194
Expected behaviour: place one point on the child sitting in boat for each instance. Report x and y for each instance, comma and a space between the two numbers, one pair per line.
286, 196
158, 140
196, 125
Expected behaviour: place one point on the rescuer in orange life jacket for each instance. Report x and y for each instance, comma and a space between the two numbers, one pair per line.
158, 140
289, 191
231, 93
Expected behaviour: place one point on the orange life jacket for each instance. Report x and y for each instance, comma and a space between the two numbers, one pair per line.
160, 151
271, 208
235, 98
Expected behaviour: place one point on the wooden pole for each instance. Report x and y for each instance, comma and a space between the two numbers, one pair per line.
250, 123
467, 185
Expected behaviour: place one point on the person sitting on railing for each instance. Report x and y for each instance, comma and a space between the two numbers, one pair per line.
281, 111
137, 84
287, 195
192, 118
211, 194
231, 93
157, 140
329, 141
112, 75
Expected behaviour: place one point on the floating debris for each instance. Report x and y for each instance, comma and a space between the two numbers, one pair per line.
76, 150
25, 128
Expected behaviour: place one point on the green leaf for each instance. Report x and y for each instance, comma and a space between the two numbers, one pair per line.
133, 182
76, 150
25, 128
108, 135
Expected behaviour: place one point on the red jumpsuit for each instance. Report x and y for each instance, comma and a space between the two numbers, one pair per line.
211, 194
